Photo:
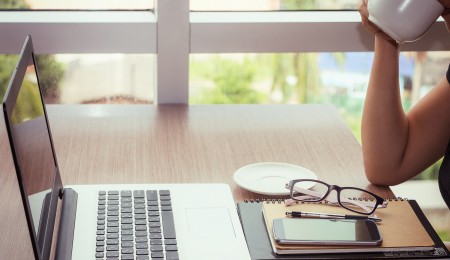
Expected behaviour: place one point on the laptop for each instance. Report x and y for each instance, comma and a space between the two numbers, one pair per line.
128, 221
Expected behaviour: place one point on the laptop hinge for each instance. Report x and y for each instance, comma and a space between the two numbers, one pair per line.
64, 245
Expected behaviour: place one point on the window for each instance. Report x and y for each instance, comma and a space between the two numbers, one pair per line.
77, 5
272, 5
339, 78
189, 38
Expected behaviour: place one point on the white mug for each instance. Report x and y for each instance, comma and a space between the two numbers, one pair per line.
404, 20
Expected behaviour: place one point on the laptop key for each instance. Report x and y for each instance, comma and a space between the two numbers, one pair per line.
126, 199
141, 251
170, 242
127, 232
112, 248
126, 210
127, 256
141, 233
156, 248
113, 202
164, 192
126, 215
138, 194
113, 197
139, 216
155, 230
112, 218
154, 219
112, 254
113, 208
127, 238
154, 224
100, 249
166, 203
127, 221
113, 213
153, 208
140, 228
127, 226
126, 204
139, 211
128, 250
125, 193
113, 224
172, 255
112, 230
152, 195
153, 213
125, 244
141, 239
139, 200
112, 236
164, 198
99, 255
112, 241
141, 246
141, 222
168, 224
139, 206
156, 242
171, 248
113, 192
142, 257
166, 208
157, 255
152, 203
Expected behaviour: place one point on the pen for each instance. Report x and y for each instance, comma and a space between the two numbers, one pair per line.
302, 214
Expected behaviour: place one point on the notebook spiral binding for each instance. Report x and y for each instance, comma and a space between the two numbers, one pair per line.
273, 201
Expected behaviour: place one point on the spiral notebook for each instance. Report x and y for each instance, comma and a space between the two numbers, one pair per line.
417, 239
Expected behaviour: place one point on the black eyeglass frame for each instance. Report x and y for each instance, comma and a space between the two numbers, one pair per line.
338, 189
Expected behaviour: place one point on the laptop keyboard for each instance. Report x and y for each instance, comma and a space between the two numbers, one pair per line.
135, 224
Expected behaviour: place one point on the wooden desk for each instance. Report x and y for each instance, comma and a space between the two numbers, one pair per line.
99, 144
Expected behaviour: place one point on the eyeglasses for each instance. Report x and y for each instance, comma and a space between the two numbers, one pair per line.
351, 198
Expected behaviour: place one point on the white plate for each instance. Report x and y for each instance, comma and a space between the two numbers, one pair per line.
269, 178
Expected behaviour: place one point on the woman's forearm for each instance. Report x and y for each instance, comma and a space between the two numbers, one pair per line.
384, 124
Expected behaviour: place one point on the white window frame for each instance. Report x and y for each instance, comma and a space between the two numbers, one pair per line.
172, 33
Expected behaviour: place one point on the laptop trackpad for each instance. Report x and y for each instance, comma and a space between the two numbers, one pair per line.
209, 223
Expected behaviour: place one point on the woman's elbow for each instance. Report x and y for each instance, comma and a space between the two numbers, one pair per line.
382, 178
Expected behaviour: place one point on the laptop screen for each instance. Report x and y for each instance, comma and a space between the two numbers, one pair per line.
32, 149
35, 156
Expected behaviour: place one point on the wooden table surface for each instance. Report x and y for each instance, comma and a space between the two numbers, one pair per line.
107, 144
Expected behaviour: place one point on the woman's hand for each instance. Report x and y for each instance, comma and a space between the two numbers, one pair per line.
446, 13
372, 27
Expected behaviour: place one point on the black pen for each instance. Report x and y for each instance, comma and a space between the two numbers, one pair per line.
302, 214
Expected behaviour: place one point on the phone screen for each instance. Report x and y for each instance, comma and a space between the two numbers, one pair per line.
323, 230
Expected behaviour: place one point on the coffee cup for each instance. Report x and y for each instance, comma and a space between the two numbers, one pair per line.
404, 20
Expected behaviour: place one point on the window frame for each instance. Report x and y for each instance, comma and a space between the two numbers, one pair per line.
172, 32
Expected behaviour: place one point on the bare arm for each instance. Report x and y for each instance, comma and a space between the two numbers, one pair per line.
398, 146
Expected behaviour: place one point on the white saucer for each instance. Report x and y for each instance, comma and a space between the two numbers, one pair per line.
269, 178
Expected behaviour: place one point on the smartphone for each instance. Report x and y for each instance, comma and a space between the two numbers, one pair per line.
310, 231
